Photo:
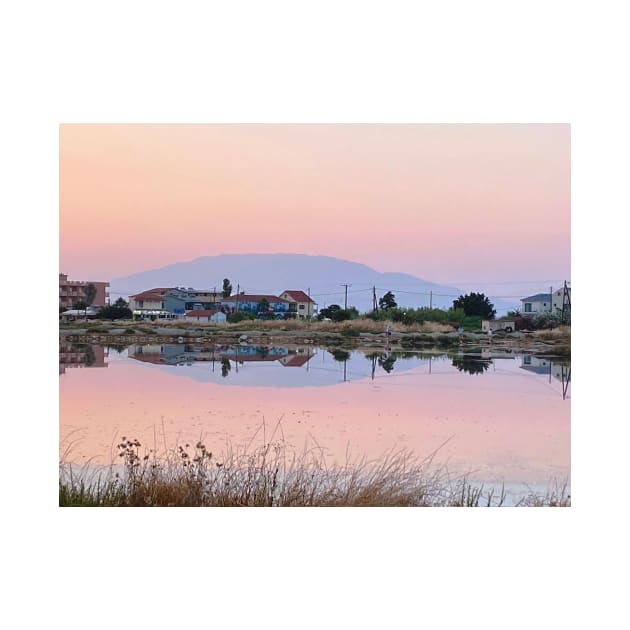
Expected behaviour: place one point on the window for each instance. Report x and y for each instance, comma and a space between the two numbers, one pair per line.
301, 307
528, 307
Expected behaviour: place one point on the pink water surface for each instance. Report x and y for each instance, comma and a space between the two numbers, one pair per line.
506, 425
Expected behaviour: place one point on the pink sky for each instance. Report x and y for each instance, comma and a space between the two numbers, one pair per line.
448, 203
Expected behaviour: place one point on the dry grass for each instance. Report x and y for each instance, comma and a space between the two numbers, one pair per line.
559, 333
272, 475
557, 495
362, 325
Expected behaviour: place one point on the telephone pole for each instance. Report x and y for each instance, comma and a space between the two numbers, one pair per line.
346, 298
566, 300
374, 302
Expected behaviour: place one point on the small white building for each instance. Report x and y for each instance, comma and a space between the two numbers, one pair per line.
213, 315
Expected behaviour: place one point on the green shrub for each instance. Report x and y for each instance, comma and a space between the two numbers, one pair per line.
239, 316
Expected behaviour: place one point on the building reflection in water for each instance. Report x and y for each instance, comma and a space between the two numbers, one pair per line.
560, 369
78, 355
187, 354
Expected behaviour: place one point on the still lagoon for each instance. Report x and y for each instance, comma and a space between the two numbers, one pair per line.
498, 418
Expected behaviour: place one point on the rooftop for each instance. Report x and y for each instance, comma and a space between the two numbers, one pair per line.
299, 296
539, 297
245, 297
203, 312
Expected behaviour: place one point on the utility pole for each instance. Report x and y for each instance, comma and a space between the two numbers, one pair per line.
551, 300
374, 302
238, 286
346, 298
430, 299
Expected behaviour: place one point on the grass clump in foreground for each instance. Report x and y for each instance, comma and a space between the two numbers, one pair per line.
272, 476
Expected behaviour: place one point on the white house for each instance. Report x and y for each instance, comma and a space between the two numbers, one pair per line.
547, 302
539, 303
216, 316
301, 304
561, 298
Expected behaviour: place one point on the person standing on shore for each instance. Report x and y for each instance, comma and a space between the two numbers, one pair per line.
489, 335
388, 331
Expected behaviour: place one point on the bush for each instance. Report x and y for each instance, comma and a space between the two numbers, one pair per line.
114, 312
540, 321
239, 316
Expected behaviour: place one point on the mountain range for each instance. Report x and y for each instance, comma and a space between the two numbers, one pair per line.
322, 277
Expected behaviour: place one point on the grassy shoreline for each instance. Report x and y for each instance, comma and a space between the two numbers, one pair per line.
273, 476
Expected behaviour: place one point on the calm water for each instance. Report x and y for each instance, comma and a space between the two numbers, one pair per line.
501, 418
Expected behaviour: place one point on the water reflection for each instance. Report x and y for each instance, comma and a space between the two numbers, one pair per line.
312, 366
79, 355
502, 416
472, 365
560, 369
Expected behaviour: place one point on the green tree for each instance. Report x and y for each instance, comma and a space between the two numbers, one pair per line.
475, 304
387, 301
263, 306
118, 310
81, 305
328, 312
227, 288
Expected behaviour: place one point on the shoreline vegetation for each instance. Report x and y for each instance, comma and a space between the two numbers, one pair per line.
274, 476
352, 334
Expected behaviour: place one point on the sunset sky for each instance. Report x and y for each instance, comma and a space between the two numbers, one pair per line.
458, 204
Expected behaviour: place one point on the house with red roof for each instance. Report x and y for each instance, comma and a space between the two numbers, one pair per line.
300, 303
150, 303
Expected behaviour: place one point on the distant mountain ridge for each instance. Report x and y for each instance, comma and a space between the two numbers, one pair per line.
274, 273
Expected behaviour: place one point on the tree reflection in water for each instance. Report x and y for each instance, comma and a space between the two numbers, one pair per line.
225, 367
472, 365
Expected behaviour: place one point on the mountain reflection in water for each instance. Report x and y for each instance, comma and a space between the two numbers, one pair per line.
503, 417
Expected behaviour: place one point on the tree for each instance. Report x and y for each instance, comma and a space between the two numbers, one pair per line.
119, 310
338, 314
81, 305
90, 293
328, 312
263, 306
387, 301
475, 304
227, 288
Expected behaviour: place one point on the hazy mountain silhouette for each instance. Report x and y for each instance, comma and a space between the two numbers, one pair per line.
273, 273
